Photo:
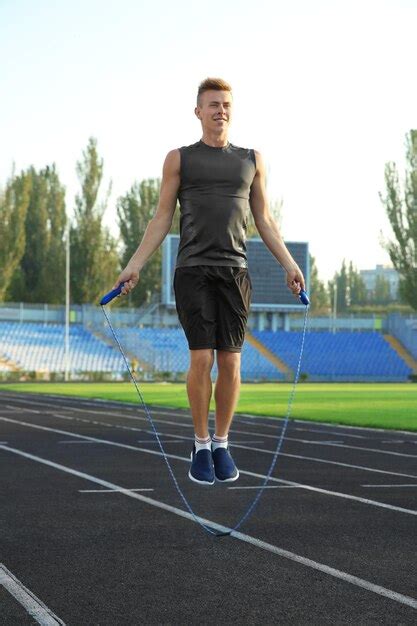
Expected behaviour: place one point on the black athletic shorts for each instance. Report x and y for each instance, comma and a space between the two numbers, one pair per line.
212, 303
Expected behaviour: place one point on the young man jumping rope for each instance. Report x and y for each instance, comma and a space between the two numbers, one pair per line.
216, 182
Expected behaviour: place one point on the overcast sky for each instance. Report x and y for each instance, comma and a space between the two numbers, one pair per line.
325, 90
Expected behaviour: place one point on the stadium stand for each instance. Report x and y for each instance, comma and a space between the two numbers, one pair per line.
39, 347
405, 330
340, 356
167, 349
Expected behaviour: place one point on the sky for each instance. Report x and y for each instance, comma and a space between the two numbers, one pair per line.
324, 89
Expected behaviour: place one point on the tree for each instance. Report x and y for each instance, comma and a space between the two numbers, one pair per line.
94, 261
340, 280
402, 214
382, 294
14, 202
53, 277
319, 297
33, 263
356, 286
135, 210
37, 278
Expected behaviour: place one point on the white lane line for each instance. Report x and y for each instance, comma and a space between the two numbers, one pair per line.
235, 443
75, 441
248, 473
110, 490
268, 487
135, 406
329, 432
308, 458
138, 441
286, 454
344, 445
35, 607
344, 576
327, 492
154, 441
142, 430
179, 437
232, 430
317, 460
27, 402
392, 441
323, 442
408, 485
250, 433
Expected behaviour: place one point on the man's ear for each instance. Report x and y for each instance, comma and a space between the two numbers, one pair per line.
196, 111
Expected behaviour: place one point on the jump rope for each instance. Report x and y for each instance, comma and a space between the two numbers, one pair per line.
305, 300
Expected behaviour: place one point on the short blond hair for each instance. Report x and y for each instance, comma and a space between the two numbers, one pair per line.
212, 83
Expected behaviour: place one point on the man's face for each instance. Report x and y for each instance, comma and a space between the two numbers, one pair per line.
215, 110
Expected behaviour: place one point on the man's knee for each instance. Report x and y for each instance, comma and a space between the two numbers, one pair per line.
203, 359
228, 360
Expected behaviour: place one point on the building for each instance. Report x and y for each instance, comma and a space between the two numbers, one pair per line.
388, 273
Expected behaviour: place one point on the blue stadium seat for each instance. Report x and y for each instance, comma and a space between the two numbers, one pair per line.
338, 356
342, 356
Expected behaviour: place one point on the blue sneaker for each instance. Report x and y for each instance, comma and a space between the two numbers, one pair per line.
224, 466
201, 470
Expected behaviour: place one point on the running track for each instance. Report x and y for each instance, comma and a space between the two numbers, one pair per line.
94, 532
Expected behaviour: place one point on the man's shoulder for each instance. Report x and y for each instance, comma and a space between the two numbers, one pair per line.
245, 153
198, 144
190, 147
235, 147
242, 151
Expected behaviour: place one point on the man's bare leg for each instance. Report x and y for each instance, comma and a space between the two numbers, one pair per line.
199, 389
227, 389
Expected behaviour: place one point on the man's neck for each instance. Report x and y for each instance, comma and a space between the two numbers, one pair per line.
216, 141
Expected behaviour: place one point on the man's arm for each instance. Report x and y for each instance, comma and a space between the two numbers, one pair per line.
268, 229
159, 226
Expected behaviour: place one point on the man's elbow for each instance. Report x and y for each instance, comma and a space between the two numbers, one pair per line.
163, 222
263, 225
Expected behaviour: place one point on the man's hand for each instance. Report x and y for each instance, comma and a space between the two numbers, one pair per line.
130, 277
295, 280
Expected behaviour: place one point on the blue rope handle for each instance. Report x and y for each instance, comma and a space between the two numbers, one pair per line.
304, 299
112, 294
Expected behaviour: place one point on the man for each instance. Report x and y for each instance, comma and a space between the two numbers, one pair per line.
216, 182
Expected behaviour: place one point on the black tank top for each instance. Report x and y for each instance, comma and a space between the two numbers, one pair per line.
214, 202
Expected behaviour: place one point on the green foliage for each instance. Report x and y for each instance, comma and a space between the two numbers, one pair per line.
382, 293
351, 290
319, 296
401, 208
43, 258
356, 287
380, 309
32, 235
14, 202
34, 260
340, 284
57, 220
94, 258
135, 209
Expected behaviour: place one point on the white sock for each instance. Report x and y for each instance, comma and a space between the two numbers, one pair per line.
202, 444
219, 442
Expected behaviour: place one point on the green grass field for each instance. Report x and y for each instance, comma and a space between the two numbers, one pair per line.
358, 404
